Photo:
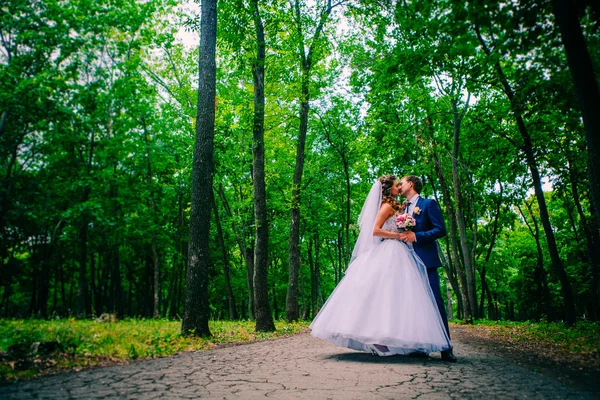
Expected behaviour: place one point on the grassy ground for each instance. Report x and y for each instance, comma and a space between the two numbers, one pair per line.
33, 347
568, 354
583, 338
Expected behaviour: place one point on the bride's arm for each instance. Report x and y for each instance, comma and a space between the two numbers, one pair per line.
385, 212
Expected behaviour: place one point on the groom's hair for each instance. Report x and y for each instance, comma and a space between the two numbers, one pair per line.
417, 184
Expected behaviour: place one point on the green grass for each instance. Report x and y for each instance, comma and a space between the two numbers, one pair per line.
582, 338
83, 343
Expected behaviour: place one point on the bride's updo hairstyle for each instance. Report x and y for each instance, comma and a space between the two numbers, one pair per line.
387, 181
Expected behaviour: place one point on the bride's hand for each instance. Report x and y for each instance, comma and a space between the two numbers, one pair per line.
408, 237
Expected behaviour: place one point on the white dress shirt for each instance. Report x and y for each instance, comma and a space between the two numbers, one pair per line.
413, 202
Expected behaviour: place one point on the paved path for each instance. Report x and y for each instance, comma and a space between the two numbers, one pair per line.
302, 367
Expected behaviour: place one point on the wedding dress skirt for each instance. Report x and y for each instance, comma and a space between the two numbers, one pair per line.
384, 299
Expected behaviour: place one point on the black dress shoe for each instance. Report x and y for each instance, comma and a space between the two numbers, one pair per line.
418, 354
448, 356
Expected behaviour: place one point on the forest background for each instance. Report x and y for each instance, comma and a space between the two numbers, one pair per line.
98, 107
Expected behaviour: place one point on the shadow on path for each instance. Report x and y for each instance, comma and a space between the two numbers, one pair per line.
395, 359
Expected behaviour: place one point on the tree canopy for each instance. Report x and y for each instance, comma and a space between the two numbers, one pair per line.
98, 108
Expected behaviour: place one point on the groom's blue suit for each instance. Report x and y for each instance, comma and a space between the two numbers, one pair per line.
430, 227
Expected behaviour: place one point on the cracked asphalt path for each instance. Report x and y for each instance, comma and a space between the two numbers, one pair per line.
302, 367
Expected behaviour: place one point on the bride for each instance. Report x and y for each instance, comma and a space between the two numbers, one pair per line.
384, 304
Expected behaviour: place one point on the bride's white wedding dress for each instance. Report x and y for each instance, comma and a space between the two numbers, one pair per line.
384, 299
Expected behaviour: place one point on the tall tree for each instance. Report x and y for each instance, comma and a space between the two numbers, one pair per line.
307, 61
471, 306
197, 308
225, 260
533, 164
152, 200
264, 318
586, 86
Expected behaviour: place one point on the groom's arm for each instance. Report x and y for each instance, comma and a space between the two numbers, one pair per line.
438, 229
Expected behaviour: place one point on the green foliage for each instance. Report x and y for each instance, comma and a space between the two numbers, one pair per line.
581, 338
98, 108
83, 343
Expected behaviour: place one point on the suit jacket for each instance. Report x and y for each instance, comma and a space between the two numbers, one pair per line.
430, 227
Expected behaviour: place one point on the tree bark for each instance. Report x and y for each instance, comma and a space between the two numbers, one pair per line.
318, 291
455, 256
291, 310
225, 260
586, 88
316, 298
447, 262
488, 255
116, 290
155, 258
82, 291
459, 215
246, 253
540, 272
593, 239
44, 285
342, 151
197, 309
264, 318
173, 296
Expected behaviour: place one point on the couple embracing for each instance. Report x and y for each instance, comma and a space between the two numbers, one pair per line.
390, 302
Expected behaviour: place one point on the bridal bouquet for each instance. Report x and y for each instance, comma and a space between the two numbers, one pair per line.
405, 222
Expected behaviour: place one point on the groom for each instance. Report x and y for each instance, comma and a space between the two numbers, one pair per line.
430, 227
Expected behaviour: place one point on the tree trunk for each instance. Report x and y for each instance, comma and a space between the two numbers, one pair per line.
342, 150
44, 285
336, 278
82, 292
311, 267
527, 148
155, 258
291, 311
340, 255
540, 272
316, 298
246, 253
488, 255
172, 301
593, 239
264, 318
459, 215
225, 260
481, 311
348, 206
84, 306
63, 293
455, 256
34, 279
586, 88
116, 288
319, 292
156, 275
93, 284
197, 309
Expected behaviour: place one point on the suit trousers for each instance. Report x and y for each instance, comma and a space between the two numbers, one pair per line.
434, 282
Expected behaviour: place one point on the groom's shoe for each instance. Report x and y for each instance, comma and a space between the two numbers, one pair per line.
448, 356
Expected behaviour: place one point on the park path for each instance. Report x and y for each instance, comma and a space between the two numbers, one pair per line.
302, 367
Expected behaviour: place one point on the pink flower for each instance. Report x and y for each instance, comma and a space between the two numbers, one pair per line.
405, 222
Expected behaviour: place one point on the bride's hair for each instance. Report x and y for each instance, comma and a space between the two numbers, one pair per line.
387, 181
